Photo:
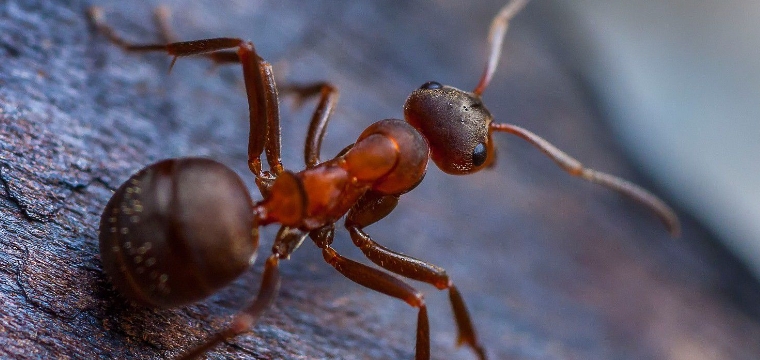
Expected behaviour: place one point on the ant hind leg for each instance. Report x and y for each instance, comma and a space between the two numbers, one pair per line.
286, 242
270, 286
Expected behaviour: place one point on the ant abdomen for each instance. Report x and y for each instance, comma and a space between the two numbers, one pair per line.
177, 231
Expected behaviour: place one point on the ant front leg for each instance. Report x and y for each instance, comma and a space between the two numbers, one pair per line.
378, 281
261, 90
371, 208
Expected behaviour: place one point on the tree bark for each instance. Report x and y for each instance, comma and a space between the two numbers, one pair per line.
551, 267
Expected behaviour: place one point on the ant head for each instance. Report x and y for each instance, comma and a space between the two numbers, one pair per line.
455, 124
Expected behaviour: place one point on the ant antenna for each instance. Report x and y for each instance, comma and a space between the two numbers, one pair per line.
496, 38
566, 162
575, 168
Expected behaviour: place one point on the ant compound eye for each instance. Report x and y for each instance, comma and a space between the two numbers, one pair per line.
479, 154
431, 85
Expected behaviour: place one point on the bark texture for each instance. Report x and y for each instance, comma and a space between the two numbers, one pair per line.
551, 267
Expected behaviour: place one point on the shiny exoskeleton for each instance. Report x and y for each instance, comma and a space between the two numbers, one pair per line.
180, 229
158, 221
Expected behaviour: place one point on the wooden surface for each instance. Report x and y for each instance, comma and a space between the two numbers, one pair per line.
551, 267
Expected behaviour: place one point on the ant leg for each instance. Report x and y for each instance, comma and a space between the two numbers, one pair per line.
575, 168
97, 17
260, 87
264, 115
176, 49
215, 50
328, 98
287, 241
270, 285
328, 92
389, 285
323, 237
373, 207
162, 16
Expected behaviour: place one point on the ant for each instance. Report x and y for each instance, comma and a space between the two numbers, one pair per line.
180, 229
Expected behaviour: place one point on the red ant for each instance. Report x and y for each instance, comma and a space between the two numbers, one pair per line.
180, 229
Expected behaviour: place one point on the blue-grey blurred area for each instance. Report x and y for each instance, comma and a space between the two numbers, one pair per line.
680, 81
551, 267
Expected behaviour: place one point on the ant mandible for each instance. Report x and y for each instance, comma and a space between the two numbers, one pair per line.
180, 229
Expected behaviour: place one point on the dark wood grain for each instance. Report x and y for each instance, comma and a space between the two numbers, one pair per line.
551, 267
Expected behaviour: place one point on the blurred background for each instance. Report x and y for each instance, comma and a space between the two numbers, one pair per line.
551, 267
679, 82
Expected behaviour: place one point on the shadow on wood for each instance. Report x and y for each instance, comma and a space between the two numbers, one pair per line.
551, 267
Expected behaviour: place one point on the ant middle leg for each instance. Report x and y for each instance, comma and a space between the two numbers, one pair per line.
373, 207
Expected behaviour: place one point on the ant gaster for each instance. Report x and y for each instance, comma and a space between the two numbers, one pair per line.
180, 229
